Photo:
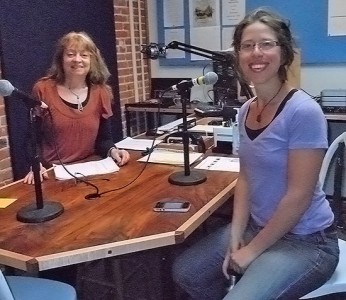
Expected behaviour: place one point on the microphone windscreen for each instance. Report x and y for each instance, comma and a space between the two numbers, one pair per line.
210, 78
6, 88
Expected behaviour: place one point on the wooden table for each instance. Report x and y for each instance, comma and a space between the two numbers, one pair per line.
119, 222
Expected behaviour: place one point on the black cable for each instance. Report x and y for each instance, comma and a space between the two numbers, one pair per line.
148, 150
205, 66
208, 94
93, 195
313, 97
97, 194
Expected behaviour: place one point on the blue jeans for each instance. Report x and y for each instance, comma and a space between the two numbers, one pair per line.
294, 266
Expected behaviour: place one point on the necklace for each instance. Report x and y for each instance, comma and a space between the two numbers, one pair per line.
259, 115
72, 92
79, 103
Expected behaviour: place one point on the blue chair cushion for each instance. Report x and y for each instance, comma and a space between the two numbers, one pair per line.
32, 288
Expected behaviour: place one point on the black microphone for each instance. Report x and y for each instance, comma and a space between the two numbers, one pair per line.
7, 89
209, 78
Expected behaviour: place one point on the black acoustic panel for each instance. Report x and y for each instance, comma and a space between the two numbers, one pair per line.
28, 34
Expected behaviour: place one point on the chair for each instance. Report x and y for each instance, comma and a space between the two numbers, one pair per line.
333, 165
32, 288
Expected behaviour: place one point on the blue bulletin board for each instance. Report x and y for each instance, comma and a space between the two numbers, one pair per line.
309, 25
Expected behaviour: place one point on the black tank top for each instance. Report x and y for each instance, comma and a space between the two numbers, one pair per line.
253, 133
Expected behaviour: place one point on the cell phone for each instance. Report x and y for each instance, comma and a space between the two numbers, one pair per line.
172, 206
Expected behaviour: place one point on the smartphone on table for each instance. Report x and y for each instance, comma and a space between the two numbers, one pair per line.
172, 205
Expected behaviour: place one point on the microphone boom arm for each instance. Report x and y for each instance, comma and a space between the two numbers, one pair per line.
198, 51
154, 51
217, 56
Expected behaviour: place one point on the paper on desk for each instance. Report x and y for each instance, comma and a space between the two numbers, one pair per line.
97, 167
4, 202
170, 157
136, 144
173, 125
219, 163
207, 129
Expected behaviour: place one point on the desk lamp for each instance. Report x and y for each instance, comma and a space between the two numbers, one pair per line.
154, 51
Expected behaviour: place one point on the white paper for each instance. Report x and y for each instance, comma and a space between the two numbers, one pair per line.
219, 163
206, 129
97, 167
233, 11
170, 157
207, 38
227, 38
174, 35
202, 93
336, 17
173, 125
136, 144
173, 13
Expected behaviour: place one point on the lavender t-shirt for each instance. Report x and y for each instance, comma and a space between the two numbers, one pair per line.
300, 125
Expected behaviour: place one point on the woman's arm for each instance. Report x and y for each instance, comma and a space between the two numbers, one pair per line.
241, 213
241, 210
303, 170
104, 145
104, 138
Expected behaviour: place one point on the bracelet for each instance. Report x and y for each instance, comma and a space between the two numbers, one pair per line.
110, 151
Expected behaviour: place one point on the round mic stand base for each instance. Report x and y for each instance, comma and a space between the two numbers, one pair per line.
180, 178
32, 214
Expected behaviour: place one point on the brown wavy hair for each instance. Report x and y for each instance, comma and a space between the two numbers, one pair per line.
98, 73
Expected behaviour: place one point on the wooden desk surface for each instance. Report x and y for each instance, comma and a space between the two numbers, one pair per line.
118, 222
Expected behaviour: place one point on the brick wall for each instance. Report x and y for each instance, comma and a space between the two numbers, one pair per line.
125, 69
124, 55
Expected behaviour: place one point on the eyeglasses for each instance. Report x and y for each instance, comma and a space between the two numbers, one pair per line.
263, 46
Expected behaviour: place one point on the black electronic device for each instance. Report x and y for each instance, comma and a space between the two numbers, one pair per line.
171, 205
333, 101
226, 88
207, 110
194, 139
189, 124
160, 90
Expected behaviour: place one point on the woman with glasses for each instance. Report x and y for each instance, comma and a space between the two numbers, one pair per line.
281, 242
77, 121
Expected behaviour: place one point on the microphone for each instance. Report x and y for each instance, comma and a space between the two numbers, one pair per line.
7, 89
209, 78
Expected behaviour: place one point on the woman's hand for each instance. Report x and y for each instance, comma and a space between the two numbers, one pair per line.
29, 178
120, 156
240, 259
235, 245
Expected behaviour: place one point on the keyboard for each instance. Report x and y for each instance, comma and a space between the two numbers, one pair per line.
207, 110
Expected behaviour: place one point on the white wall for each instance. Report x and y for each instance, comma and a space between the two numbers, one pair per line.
314, 78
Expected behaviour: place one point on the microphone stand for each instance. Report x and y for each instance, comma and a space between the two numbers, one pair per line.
154, 51
186, 177
40, 211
